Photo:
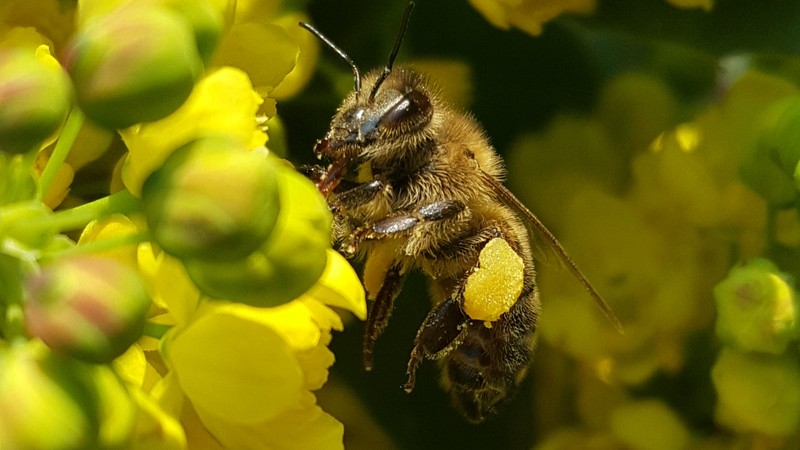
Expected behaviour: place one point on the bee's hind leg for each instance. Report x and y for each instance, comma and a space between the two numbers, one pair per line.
443, 330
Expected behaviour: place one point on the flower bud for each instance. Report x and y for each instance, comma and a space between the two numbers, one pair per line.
287, 264
757, 392
207, 21
136, 64
757, 309
779, 132
212, 200
770, 165
34, 99
88, 307
53, 403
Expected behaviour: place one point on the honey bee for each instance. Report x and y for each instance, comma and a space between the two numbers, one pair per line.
414, 183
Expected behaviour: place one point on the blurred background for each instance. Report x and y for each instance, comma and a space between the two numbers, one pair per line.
658, 143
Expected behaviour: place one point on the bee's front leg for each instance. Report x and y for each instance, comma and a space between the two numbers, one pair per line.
358, 195
402, 223
381, 309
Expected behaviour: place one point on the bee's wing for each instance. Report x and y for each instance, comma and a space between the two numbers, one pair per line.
547, 244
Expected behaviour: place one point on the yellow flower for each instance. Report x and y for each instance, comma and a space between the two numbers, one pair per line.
222, 103
248, 372
688, 4
528, 15
50, 18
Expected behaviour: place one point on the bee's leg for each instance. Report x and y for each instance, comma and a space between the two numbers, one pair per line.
313, 172
378, 316
400, 223
443, 330
445, 327
358, 195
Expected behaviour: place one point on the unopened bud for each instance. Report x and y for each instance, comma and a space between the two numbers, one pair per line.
287, 264
135, 64
53, 403
212, 200
89, 308
34, 99
757, 392
757, 309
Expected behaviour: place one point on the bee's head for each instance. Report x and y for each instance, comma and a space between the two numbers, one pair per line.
390, 109
399, 110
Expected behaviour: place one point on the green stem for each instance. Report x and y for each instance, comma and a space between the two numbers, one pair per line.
98, 246
122, 202
65, 141
155, 330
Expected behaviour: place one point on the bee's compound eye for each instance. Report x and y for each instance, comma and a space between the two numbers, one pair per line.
414, 107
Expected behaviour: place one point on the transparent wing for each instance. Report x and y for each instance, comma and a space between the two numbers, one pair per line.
548, 246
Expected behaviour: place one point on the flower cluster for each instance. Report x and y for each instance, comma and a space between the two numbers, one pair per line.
657, 219
196, 307
530, 15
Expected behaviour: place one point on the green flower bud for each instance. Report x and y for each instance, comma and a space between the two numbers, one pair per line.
779, 132
136, 64
287, 264
649, 424
34, 100
757, 309
757, 392
89, 308
212, 200
206, 21
770, 165
45, 401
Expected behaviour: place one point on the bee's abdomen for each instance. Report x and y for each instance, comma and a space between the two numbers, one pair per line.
488, 366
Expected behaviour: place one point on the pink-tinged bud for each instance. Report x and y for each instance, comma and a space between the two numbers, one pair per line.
136, 64
212, 199
35, 98
88, 307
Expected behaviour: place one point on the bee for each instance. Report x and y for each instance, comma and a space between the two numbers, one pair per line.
414, 183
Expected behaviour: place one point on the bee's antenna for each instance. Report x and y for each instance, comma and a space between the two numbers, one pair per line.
388, 69
340, 52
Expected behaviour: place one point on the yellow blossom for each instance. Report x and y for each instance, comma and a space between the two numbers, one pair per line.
248, 371
528, 15
222, 103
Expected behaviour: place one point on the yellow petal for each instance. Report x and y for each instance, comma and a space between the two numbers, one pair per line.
236, 368
305, 426
293, 321
131, 366
221, 103
155, 429
306, 61
264, 51
688, 4
113, 226
325, 318
168, 283
316, 362
339, 286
